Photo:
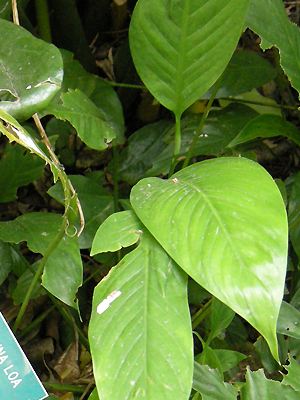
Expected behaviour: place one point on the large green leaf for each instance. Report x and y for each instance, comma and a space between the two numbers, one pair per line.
181, 47
63, 271
269, 20
289, 321
224, 222
209, 383
31, 71
292, 377
140, 332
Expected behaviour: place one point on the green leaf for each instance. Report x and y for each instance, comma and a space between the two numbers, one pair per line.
6, 261
209, 383
94, 395
96, 205
121, 229
150, 149
229, 358
5, 9
265, 126
220, 317
63, 271
213, 219
23, 284
269, 20
31, 71
259, 387
17, 168
246, 70
88, 120
294, 213
292, 377
140, 331
289, 321
181, 47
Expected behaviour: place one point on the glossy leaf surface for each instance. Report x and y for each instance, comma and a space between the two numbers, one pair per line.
31, 71
63, 271
181, 47
224, 222
269, 20
140, 332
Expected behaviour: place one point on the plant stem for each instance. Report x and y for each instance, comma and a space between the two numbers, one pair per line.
202, 123
116, 178
64, 387
15, 12
201, 314
43, 21
177, 143
259, 103
124, 85
52, 246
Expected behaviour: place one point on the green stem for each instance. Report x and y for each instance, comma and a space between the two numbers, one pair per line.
177, 144
43, 21
259, 103
201, 314
64, 387
124, 85
38, 273
202, 123
116, 178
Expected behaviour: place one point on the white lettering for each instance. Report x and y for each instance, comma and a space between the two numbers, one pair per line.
16, 382
2, 359
12, 375
8, 368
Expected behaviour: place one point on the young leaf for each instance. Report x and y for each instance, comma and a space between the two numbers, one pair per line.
269, 20
181, 47
220, 317
140, 331
63, 271
31, 71
209, 383
119, 230
224, 222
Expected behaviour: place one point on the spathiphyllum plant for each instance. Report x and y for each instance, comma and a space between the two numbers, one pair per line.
174, 226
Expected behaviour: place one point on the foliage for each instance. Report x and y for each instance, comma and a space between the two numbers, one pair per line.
154, 214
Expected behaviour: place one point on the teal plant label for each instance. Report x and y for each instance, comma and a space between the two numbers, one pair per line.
18, 381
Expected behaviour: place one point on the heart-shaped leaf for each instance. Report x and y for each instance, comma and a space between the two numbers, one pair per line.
181, 47
224, 222
140, 330
31, 71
